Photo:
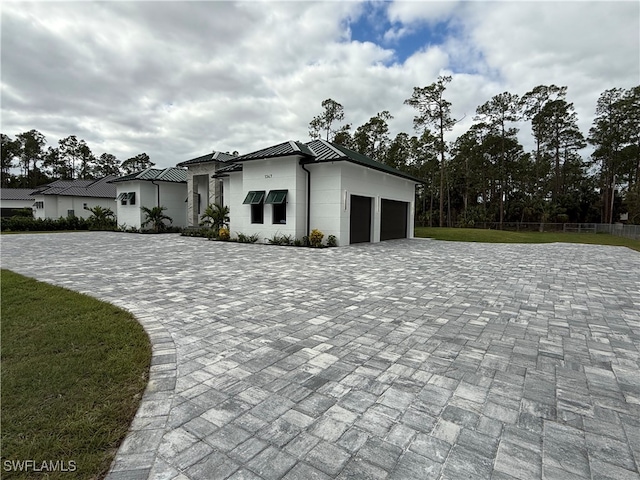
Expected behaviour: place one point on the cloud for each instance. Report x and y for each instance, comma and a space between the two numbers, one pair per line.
178, 79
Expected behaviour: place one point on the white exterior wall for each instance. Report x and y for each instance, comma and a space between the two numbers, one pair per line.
326, 199
56, 206
172, 196
270, 174
200, 181
366, 182
16, 203
232, 197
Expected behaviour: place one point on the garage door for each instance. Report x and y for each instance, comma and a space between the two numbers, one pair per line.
360, 223
393, 221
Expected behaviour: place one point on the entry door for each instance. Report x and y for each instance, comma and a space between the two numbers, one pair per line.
360, 224
393, 219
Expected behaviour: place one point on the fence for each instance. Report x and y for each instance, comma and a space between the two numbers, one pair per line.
618, 229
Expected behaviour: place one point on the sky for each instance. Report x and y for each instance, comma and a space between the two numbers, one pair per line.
177, 80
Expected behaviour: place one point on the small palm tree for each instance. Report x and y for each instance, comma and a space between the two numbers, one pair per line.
102, 218
215, 217
156, 217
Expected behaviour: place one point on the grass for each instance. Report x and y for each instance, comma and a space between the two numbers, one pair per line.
503, 236
73, 372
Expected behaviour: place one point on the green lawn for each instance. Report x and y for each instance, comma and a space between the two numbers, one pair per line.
503, 236
73, 372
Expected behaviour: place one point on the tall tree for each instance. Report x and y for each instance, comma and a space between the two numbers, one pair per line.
10, 150
137, 163
56, 166
107, 164
556, 127
30, 153
608, 138
434, 110
372, 138
534, 101
502, 108
322, 124
69, 155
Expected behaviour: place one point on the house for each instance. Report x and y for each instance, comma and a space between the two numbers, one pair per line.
64, 198
293, 187
202, 187
14, 199
150, 188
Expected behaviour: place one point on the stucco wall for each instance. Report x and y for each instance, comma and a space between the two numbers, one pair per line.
56, 206
272, 174
172, 196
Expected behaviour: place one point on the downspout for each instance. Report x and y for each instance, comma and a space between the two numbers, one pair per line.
308, 197
158, 190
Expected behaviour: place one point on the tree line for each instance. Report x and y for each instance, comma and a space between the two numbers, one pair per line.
70, 159
485, 176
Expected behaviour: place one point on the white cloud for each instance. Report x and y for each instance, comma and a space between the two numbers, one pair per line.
177, 79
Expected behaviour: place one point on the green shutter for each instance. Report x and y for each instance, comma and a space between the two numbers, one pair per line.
276, 197
254, 197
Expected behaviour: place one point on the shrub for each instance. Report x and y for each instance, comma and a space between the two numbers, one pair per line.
223, 234
332, 241
315, 238
242, 238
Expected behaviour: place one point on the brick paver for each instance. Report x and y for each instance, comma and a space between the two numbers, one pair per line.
400, 360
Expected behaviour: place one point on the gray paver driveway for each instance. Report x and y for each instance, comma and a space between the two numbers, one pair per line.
409, 359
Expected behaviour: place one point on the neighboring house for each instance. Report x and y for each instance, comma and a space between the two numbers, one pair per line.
150, 188
13, 199
64, 198
202, 188
294, 187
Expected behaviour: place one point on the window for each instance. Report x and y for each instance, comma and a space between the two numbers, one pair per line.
39, 205
71, 213
278, 198
127, 198
255, 199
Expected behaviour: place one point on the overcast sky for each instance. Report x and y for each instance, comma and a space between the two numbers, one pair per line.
179, 79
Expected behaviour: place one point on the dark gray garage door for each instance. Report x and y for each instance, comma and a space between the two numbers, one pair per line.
393, 221
360, 225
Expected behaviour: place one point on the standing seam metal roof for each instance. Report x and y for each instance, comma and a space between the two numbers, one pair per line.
171, 174
100, 188
281, 150
209, 157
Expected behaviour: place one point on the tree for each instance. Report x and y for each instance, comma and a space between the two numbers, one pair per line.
56, 167
87, 161
372, 138
434, 110
343, 137
30, 153
102, 218
215, 217
137, 163
322, 123
156, 217
107, 164
607, 136
502, 108
534, 101
10, 150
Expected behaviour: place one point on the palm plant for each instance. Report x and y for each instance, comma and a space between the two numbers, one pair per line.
215, 217
156, 217
102, 218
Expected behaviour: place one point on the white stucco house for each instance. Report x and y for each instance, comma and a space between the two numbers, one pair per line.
293, 187
150, 188
13, 199
202, 187
64, 198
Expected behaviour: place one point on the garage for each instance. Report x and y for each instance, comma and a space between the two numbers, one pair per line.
393, 219
360, 222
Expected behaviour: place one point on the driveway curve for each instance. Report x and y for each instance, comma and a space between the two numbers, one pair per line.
408, 359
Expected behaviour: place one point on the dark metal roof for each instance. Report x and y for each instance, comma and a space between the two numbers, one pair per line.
16, 193
328, 152
224, 171
209, 157
100, 188
283, 149
171, 174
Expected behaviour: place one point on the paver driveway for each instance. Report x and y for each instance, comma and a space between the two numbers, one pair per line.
409, 359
